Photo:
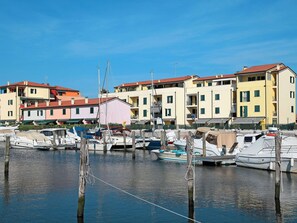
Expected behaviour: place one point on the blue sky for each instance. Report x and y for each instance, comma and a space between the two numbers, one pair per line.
63, 42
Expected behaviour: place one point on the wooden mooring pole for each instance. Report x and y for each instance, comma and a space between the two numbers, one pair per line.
204, 144
133, 145
163, 140
278, 142
7, 155
190, 175
124, 135
104, 142
82, 178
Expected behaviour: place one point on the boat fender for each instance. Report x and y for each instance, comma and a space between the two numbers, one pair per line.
270, 165
292, 162
161, 151
270, 134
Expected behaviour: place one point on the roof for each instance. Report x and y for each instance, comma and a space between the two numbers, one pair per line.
78, 102
160, 81
262, 68
59, 88
216, 77
27, 83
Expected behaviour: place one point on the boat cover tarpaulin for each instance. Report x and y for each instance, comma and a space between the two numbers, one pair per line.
220, 138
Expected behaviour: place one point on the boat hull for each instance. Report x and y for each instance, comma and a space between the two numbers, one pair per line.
288, 164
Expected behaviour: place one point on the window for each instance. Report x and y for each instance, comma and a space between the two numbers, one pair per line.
10, 102
33, 91
202, 111
144, 101
169, 99
77, 111
29, 113
91, 110
41, 112
199, 85
244, 96
64, 111
256, 93
292, 109
217, 97
209, 84
202, 97
51, 112
144, 113
292, 80
243, 111
292, 94
37, 112
10, 113
217, 110
167, 112
257, 108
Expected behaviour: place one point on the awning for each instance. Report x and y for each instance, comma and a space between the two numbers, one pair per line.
250, 120
202, 120
218, 120
44, 122
26, 122
73, 121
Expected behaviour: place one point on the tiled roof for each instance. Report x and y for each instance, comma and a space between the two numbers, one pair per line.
216, 77
261, 68
59, 88
160, 81
27, 83
79, 102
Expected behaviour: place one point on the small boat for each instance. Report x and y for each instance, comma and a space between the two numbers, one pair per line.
7, 131
59, 138
98, 145
175, 155
30, 140
261, 154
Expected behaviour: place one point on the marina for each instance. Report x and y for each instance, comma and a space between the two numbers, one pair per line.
42, 186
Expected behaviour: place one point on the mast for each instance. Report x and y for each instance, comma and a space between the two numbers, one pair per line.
153, 106
99, 98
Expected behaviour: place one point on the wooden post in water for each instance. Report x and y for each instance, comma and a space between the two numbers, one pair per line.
278, 142
7, 155
104, 142
163, 143
204, 144
143, 139
178, 134
54, 140
190, 175
133, 145
82, 180
124, 135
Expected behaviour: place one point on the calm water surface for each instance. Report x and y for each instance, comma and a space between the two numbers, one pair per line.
43, 187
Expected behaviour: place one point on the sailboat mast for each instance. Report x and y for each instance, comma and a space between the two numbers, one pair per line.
99, 98
153, 106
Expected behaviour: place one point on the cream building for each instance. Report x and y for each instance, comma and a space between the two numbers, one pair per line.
162, 103
14, 96
211, 100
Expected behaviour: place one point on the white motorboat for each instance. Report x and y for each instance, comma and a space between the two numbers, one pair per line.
98, 145
261, 154
7, 131
59, 138
30, 140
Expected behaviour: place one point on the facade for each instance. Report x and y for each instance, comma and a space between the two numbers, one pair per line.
266, 93
263, 94
105, 110
14, 96
156, 101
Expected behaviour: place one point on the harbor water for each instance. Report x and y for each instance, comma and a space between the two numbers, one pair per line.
42, 186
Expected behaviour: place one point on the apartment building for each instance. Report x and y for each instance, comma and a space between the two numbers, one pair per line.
105, 110
14, 96
157, 101
266, 95
211, 100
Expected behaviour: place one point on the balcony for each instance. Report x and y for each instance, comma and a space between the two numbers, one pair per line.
134, 117
191, 116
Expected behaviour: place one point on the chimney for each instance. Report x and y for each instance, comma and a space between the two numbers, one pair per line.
59, 102
244, 67
8, 83
72, 101
36, 103
86, 100
278, 67
47, 102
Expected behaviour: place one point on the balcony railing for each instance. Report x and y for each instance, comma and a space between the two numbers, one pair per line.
192, 116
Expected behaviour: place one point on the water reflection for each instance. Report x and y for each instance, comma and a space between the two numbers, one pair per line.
49, 182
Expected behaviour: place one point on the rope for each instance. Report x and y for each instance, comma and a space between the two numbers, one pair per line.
146, 201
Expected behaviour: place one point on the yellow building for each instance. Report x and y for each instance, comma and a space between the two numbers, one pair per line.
266, 95
14, 96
